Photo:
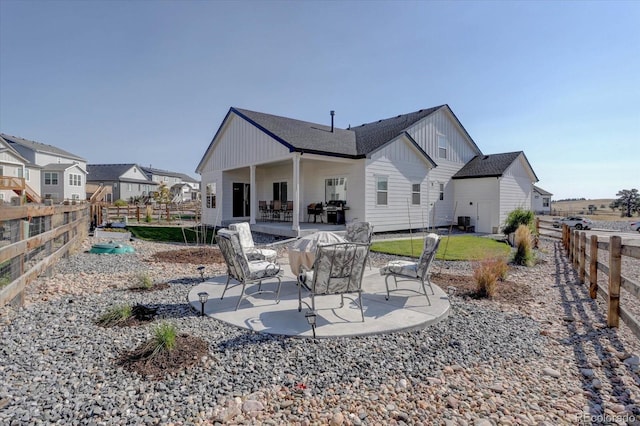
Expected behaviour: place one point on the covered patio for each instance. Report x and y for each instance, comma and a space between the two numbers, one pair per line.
259, 312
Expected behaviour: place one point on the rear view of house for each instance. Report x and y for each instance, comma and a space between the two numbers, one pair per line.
415, 170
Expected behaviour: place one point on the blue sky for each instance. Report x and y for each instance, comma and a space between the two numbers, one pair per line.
150, 81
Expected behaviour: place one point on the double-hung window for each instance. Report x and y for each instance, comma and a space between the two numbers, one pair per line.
50, 178
442, 191
382, 189
75, 180
415, 194
442, 146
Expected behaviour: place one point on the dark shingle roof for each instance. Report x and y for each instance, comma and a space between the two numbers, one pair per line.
304, 136
541, 191
153, 171
112, 173
371, 136
40, 147
493, 165
60, 166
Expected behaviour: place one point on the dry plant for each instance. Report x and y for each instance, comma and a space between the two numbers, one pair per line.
523, 241
486, 274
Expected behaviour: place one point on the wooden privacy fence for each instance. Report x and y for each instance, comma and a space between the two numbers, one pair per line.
32, 240
583, 253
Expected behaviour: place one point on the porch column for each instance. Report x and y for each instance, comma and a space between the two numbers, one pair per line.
253, 205
296, 192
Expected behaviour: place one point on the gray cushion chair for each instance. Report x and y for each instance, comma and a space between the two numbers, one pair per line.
337, 270
243, 270
246, 239
359, 232
403, 270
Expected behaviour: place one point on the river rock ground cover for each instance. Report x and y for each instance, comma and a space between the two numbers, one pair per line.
539, 353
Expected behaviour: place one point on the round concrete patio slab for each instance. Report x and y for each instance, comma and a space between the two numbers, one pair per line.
259, 312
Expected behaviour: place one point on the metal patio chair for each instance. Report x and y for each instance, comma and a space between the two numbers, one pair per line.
249, 246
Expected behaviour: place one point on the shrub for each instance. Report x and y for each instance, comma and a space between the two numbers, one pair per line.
523, 242
120, 203
148, 218
115, 315
164, 338
516, 218
144, 280
486, 276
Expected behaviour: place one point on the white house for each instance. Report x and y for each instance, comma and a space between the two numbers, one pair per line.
182, 187
17, 175
62, 174
541, 200
414, 170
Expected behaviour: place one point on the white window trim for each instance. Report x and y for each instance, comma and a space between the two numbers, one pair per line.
445, 147
419, 192
386, 191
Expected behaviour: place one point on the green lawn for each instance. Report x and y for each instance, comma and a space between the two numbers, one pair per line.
457, 247
170, 234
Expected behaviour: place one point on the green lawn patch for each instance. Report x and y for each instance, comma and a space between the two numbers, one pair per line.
457, 247
169, 234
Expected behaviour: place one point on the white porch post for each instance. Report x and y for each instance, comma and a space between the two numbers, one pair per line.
253, 205
296, 192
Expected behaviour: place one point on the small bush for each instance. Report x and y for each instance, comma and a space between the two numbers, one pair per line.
120, 203
148, 218
486, 276
144, 280
516, 218
115, 315
523, 242
164, 338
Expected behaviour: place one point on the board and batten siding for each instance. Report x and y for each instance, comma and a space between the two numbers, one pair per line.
241, 144
209, 215
479, 199
515, 189
402, 165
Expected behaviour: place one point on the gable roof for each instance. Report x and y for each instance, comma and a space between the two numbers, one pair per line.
61, 167
13, 151
112, 172
493, 165
541, 191
314, 138
40, 147
153, 171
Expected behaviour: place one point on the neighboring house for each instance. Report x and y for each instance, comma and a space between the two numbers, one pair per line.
182, 187
113, 182
62, 174
541, 201
17, 175
414, 170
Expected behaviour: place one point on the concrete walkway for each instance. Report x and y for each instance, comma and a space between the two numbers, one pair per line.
405, 310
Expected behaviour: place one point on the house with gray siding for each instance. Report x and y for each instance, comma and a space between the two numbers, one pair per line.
415, 170
181, 186
62, 175
119, 182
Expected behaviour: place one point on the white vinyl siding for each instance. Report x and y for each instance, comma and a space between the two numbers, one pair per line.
382, 188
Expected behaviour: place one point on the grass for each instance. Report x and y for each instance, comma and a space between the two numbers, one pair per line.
164, 338
457, 247
115, 315
145, 280
168, 234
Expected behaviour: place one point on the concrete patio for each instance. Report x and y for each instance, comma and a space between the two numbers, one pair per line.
259, 312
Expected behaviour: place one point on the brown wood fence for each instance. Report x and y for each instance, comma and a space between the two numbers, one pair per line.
107, 213
32, 240
583, 253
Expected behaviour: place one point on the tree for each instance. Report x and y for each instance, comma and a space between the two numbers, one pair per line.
629, 200
162, 196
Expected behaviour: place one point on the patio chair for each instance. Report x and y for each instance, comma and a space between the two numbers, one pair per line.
246, 239
242, 269
360, 232
277, 209
338, 270
315, 210
288, 211
403, 270
262, 208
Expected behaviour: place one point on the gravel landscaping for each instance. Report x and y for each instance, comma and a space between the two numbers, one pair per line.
545, 357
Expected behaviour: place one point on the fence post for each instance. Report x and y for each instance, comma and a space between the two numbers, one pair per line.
593, 267
615, 263
537, 226
583, 249
167, 209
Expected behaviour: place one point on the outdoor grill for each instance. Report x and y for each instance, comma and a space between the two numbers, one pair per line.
335, 211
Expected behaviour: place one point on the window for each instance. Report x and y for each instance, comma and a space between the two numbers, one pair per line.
442, 146
50, 178
335, 189
75, 180
415, 194
1, 195
442, 191
75, 196
280, 191
20, 172
545, 202
381, 190
128, 187
27, 174
1, 171
211, 196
